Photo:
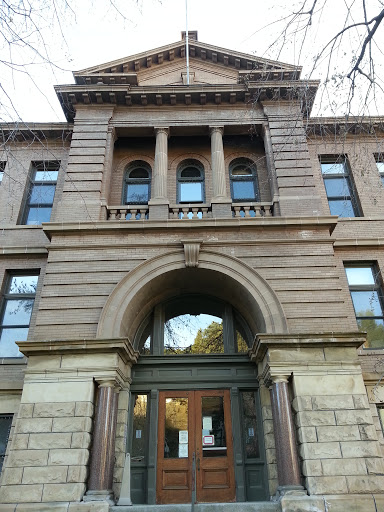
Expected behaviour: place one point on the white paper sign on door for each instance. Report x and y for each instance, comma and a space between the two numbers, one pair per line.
183, 436
207, 422
183, 451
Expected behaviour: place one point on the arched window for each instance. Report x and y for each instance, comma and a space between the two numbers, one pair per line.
137, 183
190, 182
243, 177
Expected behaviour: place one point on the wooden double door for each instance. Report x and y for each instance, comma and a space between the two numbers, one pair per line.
195, 448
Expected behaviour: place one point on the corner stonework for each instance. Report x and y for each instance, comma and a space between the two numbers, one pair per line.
48, 460
337, 443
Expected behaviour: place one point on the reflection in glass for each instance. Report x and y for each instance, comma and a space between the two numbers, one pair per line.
139, 426
23, 284
213, 427
191, 192
176, 420
366, 303
5, 428
194, 334
333, 168
359, 275
250, 424
8, 338
342, 208
243, 190
18, 312
374, 327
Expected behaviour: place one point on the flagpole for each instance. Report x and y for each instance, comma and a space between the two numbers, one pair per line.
187, 39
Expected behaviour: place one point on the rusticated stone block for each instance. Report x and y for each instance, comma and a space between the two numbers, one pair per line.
25, 411
63, 492
312, 468
332, 402
70, 457
21, 493
353, 449
76, 424
320, 451
351, 503
98, 506
12, 476
77, 474
20, 441
266, 412
270, 455
20, 458
360, 401
269, 441
338, 433
368, 433
49, 440
375, 466
307, 435
81, 440
365, 484
84, 409
54, 410
47, 474
315, 418
33, 425
342, 467
360, 417
302, 403
302, 504
326, 484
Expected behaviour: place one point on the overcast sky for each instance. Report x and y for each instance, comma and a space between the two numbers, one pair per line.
96, 33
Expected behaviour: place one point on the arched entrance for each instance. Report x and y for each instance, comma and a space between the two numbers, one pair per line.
190, 406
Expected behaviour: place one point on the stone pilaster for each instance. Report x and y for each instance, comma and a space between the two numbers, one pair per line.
159, 203
221, 202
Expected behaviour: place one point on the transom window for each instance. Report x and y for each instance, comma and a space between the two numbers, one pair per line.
243, 177
41, 192
137, 183
190, 182
338, 186
367, 297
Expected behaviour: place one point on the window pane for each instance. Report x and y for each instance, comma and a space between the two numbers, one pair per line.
23, 284
139, 173
137, 193
375, 331
1, 175
191, 192
241, 170
212, 412
243, 190
42, 194
176, 420
380, 167
8, 347
5, 428
333, 168
250, 424
359, 275
46, 175
337, 187
38, 215
18, 312
190, 172
342, 207
366, 303
139, 426
382, 180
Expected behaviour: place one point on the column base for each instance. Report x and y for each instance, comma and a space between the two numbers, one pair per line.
289, 490
106, 496
158, 211
221, 210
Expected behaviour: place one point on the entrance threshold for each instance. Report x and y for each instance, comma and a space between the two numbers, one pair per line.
256, 506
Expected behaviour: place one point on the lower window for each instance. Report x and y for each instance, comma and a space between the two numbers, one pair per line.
5, 428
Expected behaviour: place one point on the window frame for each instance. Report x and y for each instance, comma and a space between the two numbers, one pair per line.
352, 197
379, 159
3, 164
377, 286
180, 180
132, 166
44, 165
7, 296
236, 179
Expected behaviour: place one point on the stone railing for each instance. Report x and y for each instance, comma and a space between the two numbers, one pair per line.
128, 212
248, 210
190, 212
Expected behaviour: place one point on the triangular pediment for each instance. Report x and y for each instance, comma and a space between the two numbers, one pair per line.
167, 66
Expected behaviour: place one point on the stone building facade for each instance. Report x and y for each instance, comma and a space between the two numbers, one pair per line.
160, 198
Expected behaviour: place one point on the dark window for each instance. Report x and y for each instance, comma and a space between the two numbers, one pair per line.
17, 306
5, 428
243, 177
2, 169
41, 192
190, 182
137, 185
338, 186
367, 297
380, 166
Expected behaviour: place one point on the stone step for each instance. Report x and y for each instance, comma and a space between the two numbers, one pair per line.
257, 506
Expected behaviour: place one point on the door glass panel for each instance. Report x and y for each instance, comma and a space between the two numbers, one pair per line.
139, 426
213, 428
176, 428
250, 424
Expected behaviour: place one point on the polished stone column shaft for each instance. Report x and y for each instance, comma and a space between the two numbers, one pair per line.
286, 451
159, 181
218, 165
103, 446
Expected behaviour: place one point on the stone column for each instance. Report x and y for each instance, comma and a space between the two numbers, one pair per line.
271, 168
286, 452
103, 446
158, 205
221, 202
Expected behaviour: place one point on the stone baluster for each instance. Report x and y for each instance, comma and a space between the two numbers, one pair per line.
286, 451
103, 446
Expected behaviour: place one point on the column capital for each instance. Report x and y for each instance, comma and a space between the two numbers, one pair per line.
215, 129
107, 383
161, 129
276, 379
